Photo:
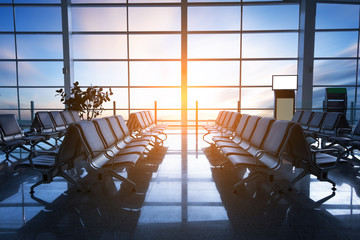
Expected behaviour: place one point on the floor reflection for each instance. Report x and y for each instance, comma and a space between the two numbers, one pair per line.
182, 195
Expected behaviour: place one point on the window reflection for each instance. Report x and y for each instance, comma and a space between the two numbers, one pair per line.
42, 97
334, 72
214, 18
270, 45
154, 19
100, 46
213, 73
335, 16
99, 19
275, 17
7, 74
38, 18
39, 46
145, 97
160, 73
155, 46
213, 97
251, 75
336, 44
40, 74
7, 46
214, 45
8, 98
6, 19
101, 73
257, 98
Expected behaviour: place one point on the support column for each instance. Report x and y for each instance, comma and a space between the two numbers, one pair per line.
67, 49
184, 156
306, 54
184, 66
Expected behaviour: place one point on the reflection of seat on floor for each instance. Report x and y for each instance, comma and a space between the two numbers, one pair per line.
52, 165
12, 137
96, 214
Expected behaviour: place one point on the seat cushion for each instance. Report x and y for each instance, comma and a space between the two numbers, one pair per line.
245, 161
234, 151
123, 159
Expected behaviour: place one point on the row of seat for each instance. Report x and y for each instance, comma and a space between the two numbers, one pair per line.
349, 141
143, 124
46, 126
105, 144
53, 124
225, 124
320, 125
261, 144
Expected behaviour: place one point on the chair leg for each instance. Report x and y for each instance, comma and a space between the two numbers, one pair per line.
245, 180
35, 185
300, 176
121, 178
332, 182
69, 179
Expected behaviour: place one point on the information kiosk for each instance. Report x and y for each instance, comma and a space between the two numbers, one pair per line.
284, 87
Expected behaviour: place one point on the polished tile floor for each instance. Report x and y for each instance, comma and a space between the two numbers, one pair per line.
181, 196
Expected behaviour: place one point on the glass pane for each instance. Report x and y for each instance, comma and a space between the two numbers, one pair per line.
11, 112
155, 73
6, 19
165, 97
38, 18
8, 98
251, 76
270, 45
120, 96
214, 18
101, 73
42, 97
100, 46
261, 113
163, 115
260, 97
108, 113
332, 16
41, 74
214, 0
334, 72
98, 1
213, 97
276, 17
155, 46
7, 74
39, 46
213, 45
213, 73
153, 1
37, 1
154, 19
336, 44
99, 18
7, 47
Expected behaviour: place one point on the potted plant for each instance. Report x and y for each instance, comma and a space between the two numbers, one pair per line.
88, 102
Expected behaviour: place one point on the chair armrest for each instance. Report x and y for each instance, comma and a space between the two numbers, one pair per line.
29, 132
261, 153
106, 151
326, 150
226, 135
341, 131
